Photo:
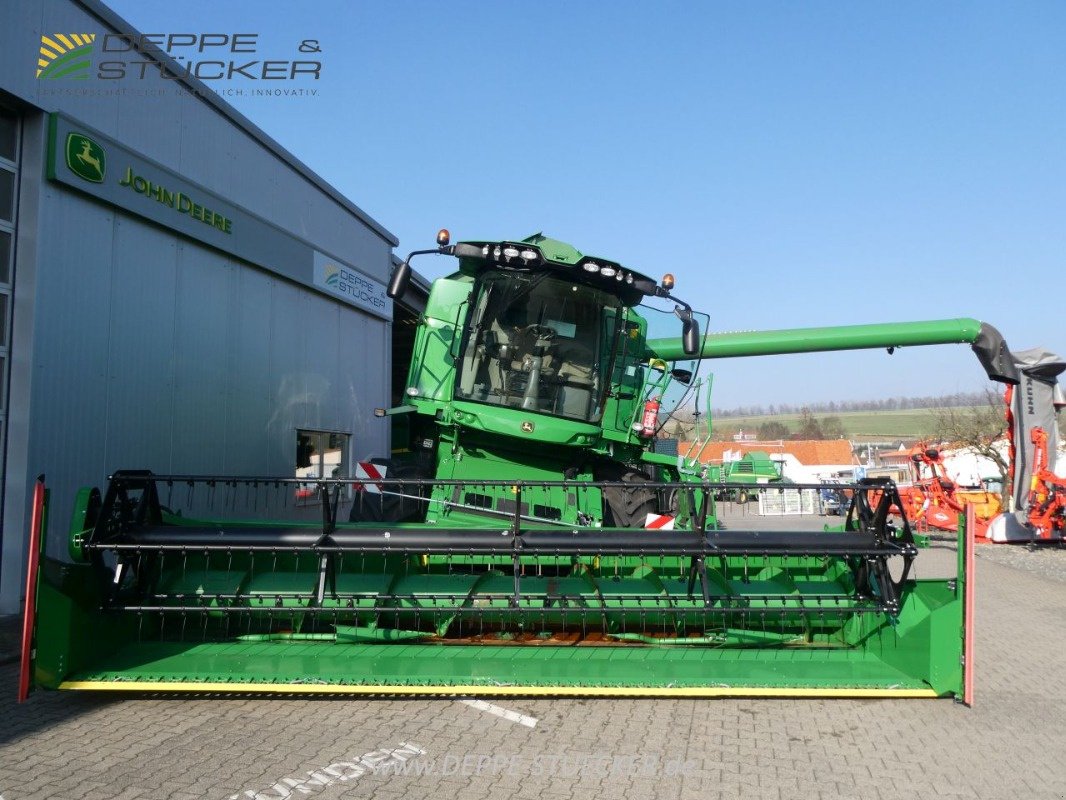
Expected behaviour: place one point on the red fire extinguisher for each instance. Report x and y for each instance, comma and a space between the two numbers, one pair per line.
651, 417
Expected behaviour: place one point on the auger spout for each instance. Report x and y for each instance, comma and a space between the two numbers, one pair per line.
987, 342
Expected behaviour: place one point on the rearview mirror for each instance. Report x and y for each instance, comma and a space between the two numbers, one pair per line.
690, 335
682, 376
400, 280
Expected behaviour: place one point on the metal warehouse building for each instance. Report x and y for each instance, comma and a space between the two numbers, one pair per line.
177, 292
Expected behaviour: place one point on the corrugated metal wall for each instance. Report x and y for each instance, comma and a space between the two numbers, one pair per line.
143, 349
176, 358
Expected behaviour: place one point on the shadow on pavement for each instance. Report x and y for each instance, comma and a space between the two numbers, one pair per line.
43, 710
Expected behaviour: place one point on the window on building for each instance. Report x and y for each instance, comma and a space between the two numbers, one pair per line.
320, 454
9, 134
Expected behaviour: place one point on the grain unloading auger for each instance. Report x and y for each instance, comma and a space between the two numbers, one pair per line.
524, 538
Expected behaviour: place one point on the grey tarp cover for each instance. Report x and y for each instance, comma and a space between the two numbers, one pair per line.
1033, 405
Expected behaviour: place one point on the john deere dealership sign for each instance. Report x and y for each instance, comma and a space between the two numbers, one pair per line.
85, 158
90, 162
179, 201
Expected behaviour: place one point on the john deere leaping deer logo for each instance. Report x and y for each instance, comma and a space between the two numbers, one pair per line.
85, 158
65, 55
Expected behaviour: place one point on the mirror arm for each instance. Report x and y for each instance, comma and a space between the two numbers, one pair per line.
401, 278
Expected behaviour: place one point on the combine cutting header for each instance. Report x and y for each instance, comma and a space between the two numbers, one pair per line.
524, 537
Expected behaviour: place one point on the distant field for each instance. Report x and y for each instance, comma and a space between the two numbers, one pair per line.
912, 423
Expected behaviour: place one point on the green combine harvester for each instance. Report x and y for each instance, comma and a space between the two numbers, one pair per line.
751, 471
523, 538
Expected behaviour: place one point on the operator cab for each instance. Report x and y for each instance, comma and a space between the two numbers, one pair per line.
539, 342
543, 323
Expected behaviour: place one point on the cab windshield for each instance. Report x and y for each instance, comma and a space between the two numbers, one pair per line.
539, 343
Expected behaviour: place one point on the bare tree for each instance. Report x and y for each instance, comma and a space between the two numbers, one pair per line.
773, 429
832, 427
978, 428
808, 427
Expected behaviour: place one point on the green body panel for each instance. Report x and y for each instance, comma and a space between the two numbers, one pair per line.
72, 634
483, 456
754, 467
509, 422
489, 667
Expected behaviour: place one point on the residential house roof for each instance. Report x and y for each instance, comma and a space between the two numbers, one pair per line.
809, 452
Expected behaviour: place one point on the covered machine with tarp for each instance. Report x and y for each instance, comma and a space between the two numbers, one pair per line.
523, 538
1033, 436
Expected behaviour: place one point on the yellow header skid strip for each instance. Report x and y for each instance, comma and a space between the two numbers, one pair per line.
546, 691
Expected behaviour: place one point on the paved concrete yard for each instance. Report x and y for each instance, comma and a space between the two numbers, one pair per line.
1010, 745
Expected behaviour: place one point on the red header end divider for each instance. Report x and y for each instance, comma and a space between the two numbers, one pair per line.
30, 610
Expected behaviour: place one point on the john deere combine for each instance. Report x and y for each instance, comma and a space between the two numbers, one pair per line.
525, 538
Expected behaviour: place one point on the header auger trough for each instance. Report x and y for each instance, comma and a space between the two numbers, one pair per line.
526, 539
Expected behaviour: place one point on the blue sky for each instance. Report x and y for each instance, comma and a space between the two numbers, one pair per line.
792, 164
